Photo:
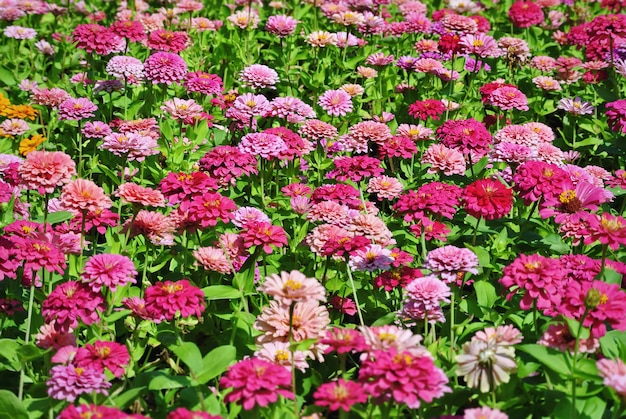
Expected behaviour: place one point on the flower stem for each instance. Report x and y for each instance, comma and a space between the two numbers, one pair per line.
356, 298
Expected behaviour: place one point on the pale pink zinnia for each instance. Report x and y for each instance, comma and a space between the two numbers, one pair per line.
45, 170
293, 286
447, 160
279, 353
139, 195
259, 76
385, 187
614, 374
181, 109
213, 259
305, 320
451, 263
83, 196
336, 102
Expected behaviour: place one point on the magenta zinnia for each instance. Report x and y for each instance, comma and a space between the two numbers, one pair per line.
487, 198
340, 394
169, 300
402, 377
109, 270
70, 302
255, 382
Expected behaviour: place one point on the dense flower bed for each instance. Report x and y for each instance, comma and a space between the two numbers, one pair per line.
350, 208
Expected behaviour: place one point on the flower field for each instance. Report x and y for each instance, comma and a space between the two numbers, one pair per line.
313, 209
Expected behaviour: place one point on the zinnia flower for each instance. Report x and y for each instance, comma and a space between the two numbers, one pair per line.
614, 374
487, 363
487, 198
169, 300
336, 102
165, 67
45, 170
108, 270
451, 263
67, 382
402, 377
256, 382
293, 286
258, 76
72, 301
340, 394
82, 195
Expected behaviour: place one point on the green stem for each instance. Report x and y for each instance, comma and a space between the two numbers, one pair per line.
356, 298
31, 300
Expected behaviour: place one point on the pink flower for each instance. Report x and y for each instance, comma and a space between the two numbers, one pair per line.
479, 44
178, 187
214, 259
45, 170
558, 336
507, 98
137, 194
67, 382
126, 68
256, 382
263, 234
614, 374
451, 263
281, 25
181, 109
181, 412
228, 163
293, 286
540, 278
19, 32
468, 136
279, 353
385, 187
82, 195
131, 145
96, 129
166, 40
70, 302
487, 198
108, 270
603, 303
165, 67
308, 320
258, 76
402, 377
336, 102
355, 168
154, 225
49, 337
524, 14
169, 300
608, 229
340, 394
447, 160
425, 295
103, 355
344, 340
484, 413
200, 82
207, 209
97, 38
267, 146
371, 258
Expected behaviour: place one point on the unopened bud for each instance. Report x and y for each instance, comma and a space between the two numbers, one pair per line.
592, 299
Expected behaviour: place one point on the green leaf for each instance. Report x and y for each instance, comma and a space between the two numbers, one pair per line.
124, 399
216, 362
8, 351
30, 352
610, 276
190, 354
163, 382
485, 293
221, 292
10, 406
56, 217
551, 358
574, 325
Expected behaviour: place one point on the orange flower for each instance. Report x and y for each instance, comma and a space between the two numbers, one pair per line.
21, 112
30, 144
